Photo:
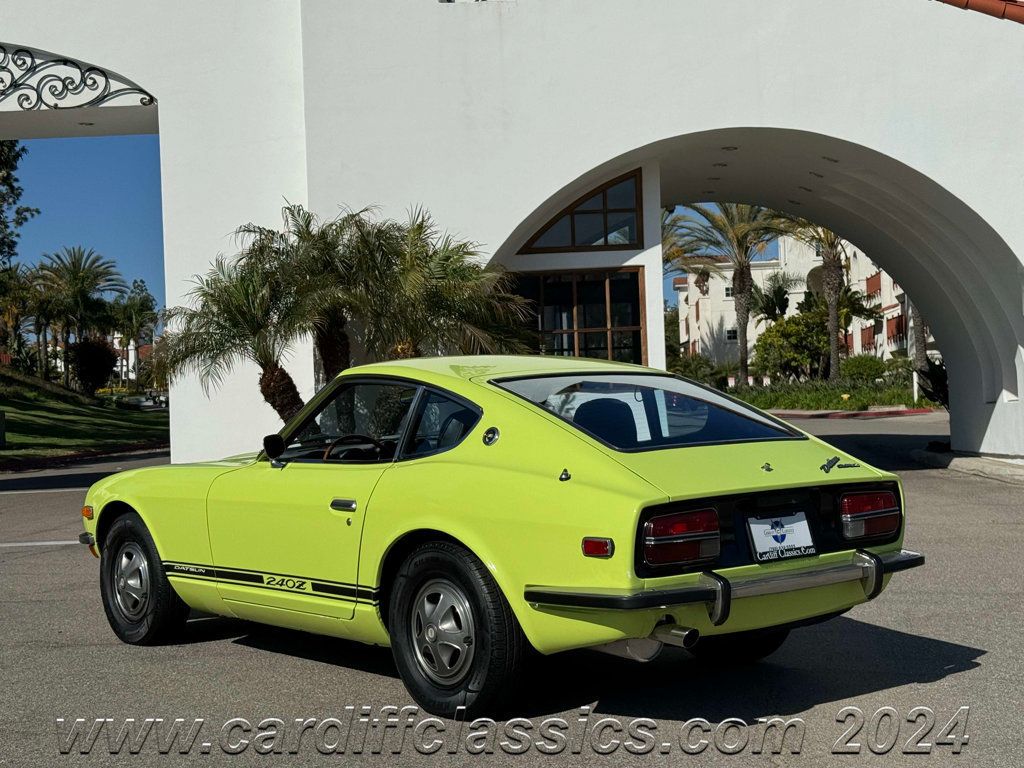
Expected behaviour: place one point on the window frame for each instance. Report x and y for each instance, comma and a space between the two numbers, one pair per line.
402, 454
530, 248
608, 328
322, 398
791, 433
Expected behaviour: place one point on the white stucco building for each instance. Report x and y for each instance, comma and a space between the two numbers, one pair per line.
707, 313
896, 123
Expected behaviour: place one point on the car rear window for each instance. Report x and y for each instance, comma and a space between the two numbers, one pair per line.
636, 412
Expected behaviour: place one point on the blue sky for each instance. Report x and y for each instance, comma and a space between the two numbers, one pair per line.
102, 193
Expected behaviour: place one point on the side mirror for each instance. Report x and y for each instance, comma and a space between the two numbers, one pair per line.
273, 445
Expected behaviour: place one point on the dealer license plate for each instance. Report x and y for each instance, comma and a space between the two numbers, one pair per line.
778, 538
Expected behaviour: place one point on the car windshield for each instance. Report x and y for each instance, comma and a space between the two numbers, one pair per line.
631, 412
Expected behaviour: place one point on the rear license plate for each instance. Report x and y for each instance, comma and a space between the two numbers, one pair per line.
778, 538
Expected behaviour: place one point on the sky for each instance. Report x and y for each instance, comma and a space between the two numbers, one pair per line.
104, 193
101, 193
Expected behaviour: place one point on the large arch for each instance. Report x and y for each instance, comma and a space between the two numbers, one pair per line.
958, 269
49, 95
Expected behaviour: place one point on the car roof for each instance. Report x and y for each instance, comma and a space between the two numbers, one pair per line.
471, 367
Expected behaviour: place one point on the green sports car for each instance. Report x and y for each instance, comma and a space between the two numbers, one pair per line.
465, 509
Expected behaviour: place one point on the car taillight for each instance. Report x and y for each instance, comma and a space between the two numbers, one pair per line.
866, 514
682, 537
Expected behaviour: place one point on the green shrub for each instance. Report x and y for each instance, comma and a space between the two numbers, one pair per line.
695, 367
935, 384
862, 368
899, 371
792, 347
826, 396
92, 361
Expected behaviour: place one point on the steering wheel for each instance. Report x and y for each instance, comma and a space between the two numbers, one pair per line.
354, 439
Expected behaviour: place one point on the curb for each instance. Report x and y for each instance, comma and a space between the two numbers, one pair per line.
876, 414
36, 463
979, 466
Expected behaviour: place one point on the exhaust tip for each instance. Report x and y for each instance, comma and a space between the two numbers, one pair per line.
680, 637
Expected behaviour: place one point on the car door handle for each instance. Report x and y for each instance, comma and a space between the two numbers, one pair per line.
343, 505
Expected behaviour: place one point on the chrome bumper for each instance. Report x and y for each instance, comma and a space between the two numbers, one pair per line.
718, 592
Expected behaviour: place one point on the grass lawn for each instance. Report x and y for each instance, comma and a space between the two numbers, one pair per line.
43, 425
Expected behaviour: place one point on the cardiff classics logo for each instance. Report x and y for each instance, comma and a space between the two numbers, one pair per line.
778, 531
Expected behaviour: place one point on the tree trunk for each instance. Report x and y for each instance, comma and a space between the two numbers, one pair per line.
832, 286
66, 336
920, 339
742, 288
333, 347
279, 390
40, 350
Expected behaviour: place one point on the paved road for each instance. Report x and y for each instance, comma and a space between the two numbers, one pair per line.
945, 636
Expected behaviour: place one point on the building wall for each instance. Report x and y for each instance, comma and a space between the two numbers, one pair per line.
228, 80
708, 315
496, 114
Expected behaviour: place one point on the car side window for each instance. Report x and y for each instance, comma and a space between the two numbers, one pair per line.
362, 423
441, 423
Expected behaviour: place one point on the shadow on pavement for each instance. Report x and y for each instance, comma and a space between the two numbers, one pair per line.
833, 661
319, 648
45, 480
886, 451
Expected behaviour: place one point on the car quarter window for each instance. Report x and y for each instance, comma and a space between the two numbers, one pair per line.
638, 412
442, 423
361, 422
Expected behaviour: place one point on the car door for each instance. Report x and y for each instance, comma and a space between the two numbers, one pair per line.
285, 534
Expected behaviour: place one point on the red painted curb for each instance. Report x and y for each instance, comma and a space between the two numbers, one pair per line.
877, 414
851, 414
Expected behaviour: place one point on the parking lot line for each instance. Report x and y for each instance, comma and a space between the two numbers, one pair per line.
45, 490
39, 543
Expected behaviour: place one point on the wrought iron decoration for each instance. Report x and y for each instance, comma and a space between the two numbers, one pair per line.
37, 80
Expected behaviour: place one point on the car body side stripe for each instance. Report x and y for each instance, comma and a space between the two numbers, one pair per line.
247, 574
213, 580
327, 591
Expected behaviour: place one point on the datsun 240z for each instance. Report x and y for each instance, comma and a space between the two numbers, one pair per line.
464, 510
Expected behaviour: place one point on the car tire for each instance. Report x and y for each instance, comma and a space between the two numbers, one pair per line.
740, 647
141, 605
455, 640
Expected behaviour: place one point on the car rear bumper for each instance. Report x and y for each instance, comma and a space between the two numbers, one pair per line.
718, 591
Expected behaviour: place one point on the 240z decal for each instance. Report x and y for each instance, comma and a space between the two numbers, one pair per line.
282, 581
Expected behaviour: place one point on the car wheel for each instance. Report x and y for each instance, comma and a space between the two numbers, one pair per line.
141, 605
740, 647
454, 637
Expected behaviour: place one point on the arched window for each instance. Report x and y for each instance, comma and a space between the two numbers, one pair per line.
606, 218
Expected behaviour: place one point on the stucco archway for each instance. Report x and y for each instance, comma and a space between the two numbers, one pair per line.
958, 269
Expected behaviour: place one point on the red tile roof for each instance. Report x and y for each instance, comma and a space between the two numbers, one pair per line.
1002, 9
678, 282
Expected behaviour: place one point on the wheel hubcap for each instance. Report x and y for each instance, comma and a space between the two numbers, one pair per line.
131, 581
443, 634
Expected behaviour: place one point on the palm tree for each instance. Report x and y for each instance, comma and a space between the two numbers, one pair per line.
322, 271
405, 288
732, 234
427, 293
851, 304
45, 309
920, 339
771, 302
134, 315
242, 309
78, 278
15, 307
832, 250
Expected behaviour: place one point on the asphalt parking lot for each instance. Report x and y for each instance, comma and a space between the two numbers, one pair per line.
944, 636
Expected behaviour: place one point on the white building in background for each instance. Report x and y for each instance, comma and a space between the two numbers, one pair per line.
707, 314
895, 123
